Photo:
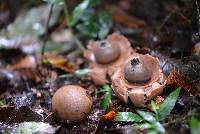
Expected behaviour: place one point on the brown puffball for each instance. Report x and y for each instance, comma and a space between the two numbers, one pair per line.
71, 103
136, 72
106, 52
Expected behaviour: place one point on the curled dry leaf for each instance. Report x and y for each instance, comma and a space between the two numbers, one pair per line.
121, 17
176, 79
110, 115
27, 62
139, 89
30, 73
58, 62
26, 67
106, 64
98, 76
159, 100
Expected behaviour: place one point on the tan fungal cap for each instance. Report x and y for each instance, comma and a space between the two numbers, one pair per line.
71, 103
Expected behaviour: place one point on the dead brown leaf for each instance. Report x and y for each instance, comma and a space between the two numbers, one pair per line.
27, 62
110, 115
59, 62
121, 17
175, 79
27, 67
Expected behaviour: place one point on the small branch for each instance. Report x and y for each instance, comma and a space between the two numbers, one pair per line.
66, 13
50, 114
167, 18
172, 122
46, 30
77, 41
198, 15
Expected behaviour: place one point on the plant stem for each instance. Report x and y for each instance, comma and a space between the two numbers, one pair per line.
198, 15
67, 14
77, 41
46, 30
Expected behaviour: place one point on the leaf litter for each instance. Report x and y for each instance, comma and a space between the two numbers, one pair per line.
28, 81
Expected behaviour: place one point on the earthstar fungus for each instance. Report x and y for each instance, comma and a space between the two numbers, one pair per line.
140, 78
107, 55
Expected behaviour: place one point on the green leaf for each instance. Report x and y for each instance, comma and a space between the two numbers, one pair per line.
78, 73
107, 97
94, 3
30, 24
152, 120
5, 132
103, 32
2, 102
153, 128
104, 17
127, 116
89, 29
168, 104
34, 127
82, 72
57, 2
147, 116
78, 11
105, 24
152, 131
159, 127
88, 15
145, 125
105, 89
152, 124
154, 107
194, 126
106, 101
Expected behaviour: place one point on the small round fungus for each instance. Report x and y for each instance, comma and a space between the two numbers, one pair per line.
71, 103
106, 52
135, 71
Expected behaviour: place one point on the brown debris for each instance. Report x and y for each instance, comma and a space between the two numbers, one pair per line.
5, 112
196, 49
175, 79
139, 93
98, 76
27, 67
27, 62
99, 71
9, 113
30, 73
59, 62
110, 115
121, 17
159, 100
